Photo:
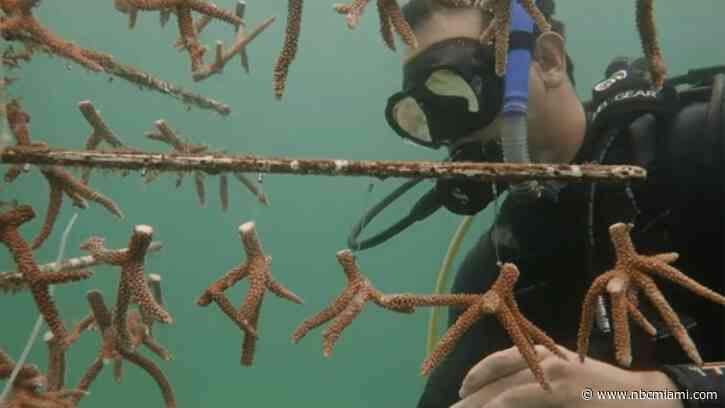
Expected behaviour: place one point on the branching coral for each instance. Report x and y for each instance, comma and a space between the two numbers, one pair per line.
223, 56
133, 287
27, 390
623, 283
499, 301
289, 48
188, 30
257, 268
182, 9
59, 180
39, 283
19, 24
167, 135
100, 133
650, 45
19, 18
498, 30
113, 351
390, 18
13, 282
347, 306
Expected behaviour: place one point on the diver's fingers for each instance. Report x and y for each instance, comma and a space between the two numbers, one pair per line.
524, 396
511, 384
496, 366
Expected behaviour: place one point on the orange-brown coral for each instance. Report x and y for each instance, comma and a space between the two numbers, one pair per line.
289, 48
60, 182
223, 56
133, 287
257, 268
27, 389
650, 45
19, 18
113, 351
498, 300
39, 283
100, 133
623, 282
390, 18
167, 135
347, 306
189, 30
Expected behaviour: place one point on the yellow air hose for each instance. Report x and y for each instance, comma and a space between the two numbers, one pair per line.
442, 279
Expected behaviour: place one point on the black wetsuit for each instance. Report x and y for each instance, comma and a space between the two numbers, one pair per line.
681, 208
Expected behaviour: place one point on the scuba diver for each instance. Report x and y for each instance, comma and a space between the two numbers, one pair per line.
558, 237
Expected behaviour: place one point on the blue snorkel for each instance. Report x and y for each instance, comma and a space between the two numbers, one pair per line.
514, 138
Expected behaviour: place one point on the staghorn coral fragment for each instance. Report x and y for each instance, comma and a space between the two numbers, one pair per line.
498, 27
19, 19
648, 36
59, 180
289, 47
354, 12
536, 15
199, 187
188, 31
241, 30
347, 306
39, 283
132, 287
253, 188
256, 268
502, 13
167, 135
224, 191
400, 24
27, 389
223, 56
112, 351
215, 293
110, 66
499, 301
386, 30
199, 25
390, 18
628, 276
154, 282
203, 7
100, 133
29, 375
18, 120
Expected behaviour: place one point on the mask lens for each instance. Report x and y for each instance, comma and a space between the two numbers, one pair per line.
445, 82
410, 118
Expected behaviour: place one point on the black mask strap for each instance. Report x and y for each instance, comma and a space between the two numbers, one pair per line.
425, 207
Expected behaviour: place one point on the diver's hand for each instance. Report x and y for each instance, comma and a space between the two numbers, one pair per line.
503, 380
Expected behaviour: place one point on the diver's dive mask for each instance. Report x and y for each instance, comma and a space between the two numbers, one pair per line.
451, 91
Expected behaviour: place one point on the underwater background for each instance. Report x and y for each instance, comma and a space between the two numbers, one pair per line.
332, 108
